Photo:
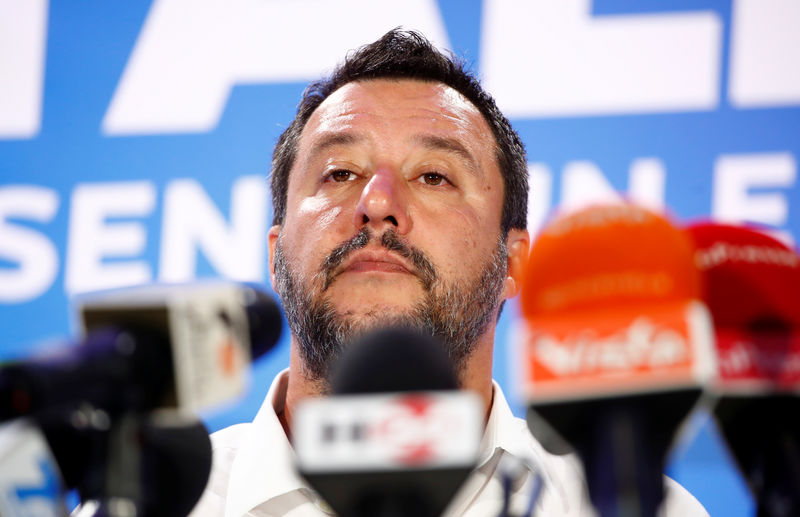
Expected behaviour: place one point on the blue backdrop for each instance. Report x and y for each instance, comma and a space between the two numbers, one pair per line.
135, 138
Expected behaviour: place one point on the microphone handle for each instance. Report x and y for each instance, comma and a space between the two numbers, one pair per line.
622, 442
623, 470
779, 470
764, 439
407, 504
118, 491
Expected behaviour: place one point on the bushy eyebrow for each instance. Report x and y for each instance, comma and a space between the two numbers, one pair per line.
332, 140
449, 145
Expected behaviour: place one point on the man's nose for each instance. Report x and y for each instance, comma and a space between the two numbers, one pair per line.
383, 202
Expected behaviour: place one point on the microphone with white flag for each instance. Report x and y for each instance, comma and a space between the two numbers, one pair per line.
396, 437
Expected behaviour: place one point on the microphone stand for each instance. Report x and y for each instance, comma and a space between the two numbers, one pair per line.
622, 442
624, 464
763, 436
406, 504
118, 491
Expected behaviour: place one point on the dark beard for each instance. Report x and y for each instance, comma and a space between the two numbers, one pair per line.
457, 313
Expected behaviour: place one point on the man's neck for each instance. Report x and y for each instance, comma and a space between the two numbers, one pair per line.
476, 376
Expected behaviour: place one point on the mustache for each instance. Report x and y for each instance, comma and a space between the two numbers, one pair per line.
423, 267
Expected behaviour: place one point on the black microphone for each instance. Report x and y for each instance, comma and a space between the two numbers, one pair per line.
175, 467
752, 283
397, 437
154, 465
185, 346
393, 360
617, 348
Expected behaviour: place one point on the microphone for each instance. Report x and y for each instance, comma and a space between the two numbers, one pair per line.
176, 466
185, 346
30, 482
617, 348
397, 437
752, 286
146, 465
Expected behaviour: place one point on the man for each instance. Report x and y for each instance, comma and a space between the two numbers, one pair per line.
400, 197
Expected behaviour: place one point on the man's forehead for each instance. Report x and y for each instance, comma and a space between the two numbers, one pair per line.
400, 99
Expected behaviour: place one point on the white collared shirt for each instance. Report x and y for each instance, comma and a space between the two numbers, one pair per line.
253, 472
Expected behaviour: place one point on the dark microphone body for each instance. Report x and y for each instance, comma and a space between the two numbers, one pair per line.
616, 349
154, 465
396, 437
752, 287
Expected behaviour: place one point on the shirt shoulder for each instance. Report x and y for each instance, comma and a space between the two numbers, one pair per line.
680, 502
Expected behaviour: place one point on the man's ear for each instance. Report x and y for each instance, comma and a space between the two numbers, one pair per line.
272, 242
518, 243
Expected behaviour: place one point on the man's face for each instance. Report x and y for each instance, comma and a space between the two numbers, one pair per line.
393, 216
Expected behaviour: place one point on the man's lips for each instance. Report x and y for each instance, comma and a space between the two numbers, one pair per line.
370, 265
387, 254
376, 261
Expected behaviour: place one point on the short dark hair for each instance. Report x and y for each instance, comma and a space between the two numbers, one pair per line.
409, 55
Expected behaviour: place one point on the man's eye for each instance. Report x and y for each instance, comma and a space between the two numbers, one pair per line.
433, 178
341, 175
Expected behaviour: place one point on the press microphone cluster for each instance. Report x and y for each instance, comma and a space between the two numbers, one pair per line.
617, 350
632, 323
116, 407
396, 437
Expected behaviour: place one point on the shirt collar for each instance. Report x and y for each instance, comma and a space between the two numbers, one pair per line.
264, 467
507, 434
504, 431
